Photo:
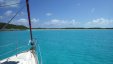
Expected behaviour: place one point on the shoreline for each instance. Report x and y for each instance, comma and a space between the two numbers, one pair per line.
74, 29
59, 29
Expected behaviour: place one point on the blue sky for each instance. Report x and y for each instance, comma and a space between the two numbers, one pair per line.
61, 13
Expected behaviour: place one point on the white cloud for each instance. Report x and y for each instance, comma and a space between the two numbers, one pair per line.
56, 23
101, 22
22, 13
9, 2
25, 22
9, 13
49, 14
34, 20
21, 22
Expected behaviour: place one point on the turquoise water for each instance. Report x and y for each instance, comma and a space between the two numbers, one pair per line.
64, 46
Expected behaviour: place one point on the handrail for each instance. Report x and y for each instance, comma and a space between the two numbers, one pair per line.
40, 54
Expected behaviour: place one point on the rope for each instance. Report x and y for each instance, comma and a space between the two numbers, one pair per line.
12, 18
6, 45
13, 50
8, 52
22, 46
40, 54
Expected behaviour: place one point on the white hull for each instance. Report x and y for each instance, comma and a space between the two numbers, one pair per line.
26, 57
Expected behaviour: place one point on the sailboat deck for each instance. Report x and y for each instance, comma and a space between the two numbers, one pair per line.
22, 58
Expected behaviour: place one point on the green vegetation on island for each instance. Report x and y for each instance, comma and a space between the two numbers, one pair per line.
12, 27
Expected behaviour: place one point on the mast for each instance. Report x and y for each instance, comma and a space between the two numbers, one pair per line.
31, 37
29, 19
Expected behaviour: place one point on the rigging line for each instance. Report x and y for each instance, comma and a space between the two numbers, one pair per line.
12, 18
40, 54
22, 47
8, 52
6, 45
12, 50
34, 53
10, 4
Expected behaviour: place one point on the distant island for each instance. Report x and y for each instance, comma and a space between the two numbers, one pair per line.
12, 27
74, 28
